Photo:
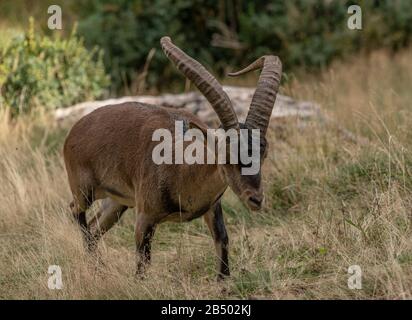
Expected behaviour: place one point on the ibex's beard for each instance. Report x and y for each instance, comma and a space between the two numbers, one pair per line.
189, 147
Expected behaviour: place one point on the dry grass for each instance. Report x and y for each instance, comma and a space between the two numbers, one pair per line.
330, 204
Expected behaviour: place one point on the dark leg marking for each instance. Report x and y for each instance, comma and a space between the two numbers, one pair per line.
78, 208
144, 234
145, 246
216, 224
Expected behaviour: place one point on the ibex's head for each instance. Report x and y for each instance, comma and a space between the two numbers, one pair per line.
247, 187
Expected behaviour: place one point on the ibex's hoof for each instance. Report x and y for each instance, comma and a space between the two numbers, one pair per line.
91, 247
140, 271
139, 275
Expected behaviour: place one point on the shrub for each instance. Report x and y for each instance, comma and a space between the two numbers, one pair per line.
128, 29
222, 32
49, 72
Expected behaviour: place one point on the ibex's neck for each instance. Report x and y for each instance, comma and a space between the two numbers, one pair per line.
218, 177
212, 181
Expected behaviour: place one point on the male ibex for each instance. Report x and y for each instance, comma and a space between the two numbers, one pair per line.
108, 155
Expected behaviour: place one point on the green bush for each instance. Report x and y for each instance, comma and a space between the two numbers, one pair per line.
302, 32
49, 72
222, 34
128, 29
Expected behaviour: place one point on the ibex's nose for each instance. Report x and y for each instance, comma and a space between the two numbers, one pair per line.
255, 202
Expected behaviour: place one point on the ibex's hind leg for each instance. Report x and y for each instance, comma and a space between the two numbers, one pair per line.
105, 218
144, 231
81, 202
216, 224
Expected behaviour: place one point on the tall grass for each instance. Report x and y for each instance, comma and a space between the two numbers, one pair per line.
330, 204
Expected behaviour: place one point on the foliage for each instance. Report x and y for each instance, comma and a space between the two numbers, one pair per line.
127, 30
232, 32
50, 72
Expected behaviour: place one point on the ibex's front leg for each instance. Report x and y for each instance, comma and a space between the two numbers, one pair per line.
144, 231
216, 224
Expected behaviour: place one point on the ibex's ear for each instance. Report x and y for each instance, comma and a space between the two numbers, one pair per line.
193, 125
209, 137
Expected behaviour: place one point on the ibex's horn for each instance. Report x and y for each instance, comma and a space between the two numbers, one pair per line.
204, 81
265, 95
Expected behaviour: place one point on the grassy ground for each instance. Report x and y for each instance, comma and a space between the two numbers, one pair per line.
330, 204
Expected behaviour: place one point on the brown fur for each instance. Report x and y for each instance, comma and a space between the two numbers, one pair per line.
108, 155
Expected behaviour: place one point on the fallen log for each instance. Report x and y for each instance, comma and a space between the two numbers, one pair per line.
285, 107
197, 104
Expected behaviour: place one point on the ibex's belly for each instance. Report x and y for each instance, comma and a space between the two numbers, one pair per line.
179, 210
184, 216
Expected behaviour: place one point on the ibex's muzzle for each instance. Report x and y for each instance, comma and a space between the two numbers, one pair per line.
254, 201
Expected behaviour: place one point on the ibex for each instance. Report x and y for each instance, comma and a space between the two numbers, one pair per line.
108, 155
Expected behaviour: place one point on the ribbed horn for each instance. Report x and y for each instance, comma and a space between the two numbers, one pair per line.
264, 97
204, 81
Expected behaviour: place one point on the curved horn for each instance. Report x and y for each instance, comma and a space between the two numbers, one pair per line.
265, 95
204, 81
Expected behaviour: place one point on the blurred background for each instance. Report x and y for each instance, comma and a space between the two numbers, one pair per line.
121, 39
